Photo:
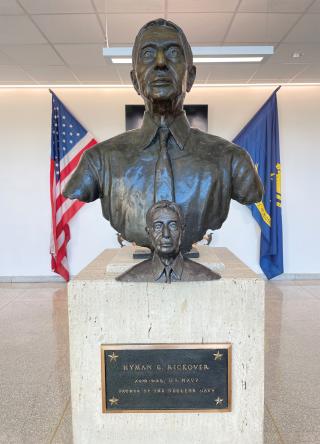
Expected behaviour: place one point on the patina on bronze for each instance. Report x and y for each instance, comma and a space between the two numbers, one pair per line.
165, 157
165, 227
166, 378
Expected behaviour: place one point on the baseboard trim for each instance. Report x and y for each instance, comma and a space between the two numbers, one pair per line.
297, 277
30, 279
44, 279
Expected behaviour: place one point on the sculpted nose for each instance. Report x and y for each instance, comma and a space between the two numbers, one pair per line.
165, 231
160, 59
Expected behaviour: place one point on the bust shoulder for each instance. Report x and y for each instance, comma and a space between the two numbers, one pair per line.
214, 145
120, 141
194, 271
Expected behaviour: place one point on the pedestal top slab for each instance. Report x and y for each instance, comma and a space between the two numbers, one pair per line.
112, 262
123, 260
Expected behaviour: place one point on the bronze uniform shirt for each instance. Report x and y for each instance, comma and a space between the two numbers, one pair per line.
208, 171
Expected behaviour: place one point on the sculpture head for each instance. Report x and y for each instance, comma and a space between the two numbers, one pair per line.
165, 227
163, 69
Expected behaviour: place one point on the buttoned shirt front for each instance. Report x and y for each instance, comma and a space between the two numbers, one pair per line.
167, 273
208, 171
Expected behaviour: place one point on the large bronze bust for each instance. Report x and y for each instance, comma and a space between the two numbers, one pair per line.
165, 159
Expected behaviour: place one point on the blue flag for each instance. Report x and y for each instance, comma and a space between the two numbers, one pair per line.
260, 137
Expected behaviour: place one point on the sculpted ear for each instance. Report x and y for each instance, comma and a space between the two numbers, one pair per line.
134, 81
191, 77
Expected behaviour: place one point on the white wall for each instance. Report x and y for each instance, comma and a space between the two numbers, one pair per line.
24, 174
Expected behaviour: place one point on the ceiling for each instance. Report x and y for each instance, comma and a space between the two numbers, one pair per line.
61, 41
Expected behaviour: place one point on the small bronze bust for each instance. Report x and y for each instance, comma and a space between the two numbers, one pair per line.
165, 228
165, 159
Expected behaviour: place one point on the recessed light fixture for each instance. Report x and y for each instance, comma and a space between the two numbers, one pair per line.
226, 59
121, 60
203, 59
203, 54
122, 86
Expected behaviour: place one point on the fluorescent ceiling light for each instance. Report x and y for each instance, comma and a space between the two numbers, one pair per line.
126, 51
226, 59
113, 86
202, 59
121, 60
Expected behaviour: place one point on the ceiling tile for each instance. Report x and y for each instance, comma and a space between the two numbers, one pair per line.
280, 71
5, 60
71, 28
123, 72
101, 82
260, 28
131, 23
13, 74
125, 6
32, 54
202, 5
57, 6
50, 73
60, 82
18, 29
307, 30
203, 72
232, 71
82, 54
311, 74
283, 53
203, 28
228, 81
262, 81
10, 7
96, 73
315, 7
274, 5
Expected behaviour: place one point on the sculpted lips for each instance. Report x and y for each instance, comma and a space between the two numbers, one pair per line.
166, 244
160, 81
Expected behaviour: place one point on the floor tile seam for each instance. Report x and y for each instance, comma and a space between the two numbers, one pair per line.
311, 294
60, 421
275, 425
8, 303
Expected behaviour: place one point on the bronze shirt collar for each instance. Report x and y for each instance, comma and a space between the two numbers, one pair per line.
179, 128
158, 268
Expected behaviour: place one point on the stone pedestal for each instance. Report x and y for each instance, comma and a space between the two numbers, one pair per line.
104, 311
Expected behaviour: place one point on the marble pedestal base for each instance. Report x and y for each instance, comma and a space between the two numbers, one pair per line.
102, 310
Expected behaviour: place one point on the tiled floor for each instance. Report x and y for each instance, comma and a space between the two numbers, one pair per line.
34, 372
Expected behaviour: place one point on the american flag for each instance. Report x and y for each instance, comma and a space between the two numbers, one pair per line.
68, 141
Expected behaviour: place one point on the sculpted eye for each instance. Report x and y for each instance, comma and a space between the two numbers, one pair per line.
173, 225
147, 53
173, 51
157, 226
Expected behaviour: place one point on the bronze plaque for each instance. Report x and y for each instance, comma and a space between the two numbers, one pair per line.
166, 378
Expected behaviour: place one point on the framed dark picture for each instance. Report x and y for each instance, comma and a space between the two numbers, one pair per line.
196, 114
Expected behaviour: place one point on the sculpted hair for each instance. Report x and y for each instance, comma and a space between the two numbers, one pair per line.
164, 204
166, 23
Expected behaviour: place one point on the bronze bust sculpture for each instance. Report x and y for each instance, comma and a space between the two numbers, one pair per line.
165, 227
165, 158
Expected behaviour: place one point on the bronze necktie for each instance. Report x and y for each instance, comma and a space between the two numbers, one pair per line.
163, 183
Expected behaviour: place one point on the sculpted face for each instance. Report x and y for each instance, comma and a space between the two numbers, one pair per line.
161, 70
165, 231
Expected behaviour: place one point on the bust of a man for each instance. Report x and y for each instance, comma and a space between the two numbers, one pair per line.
165, 159
165, 227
